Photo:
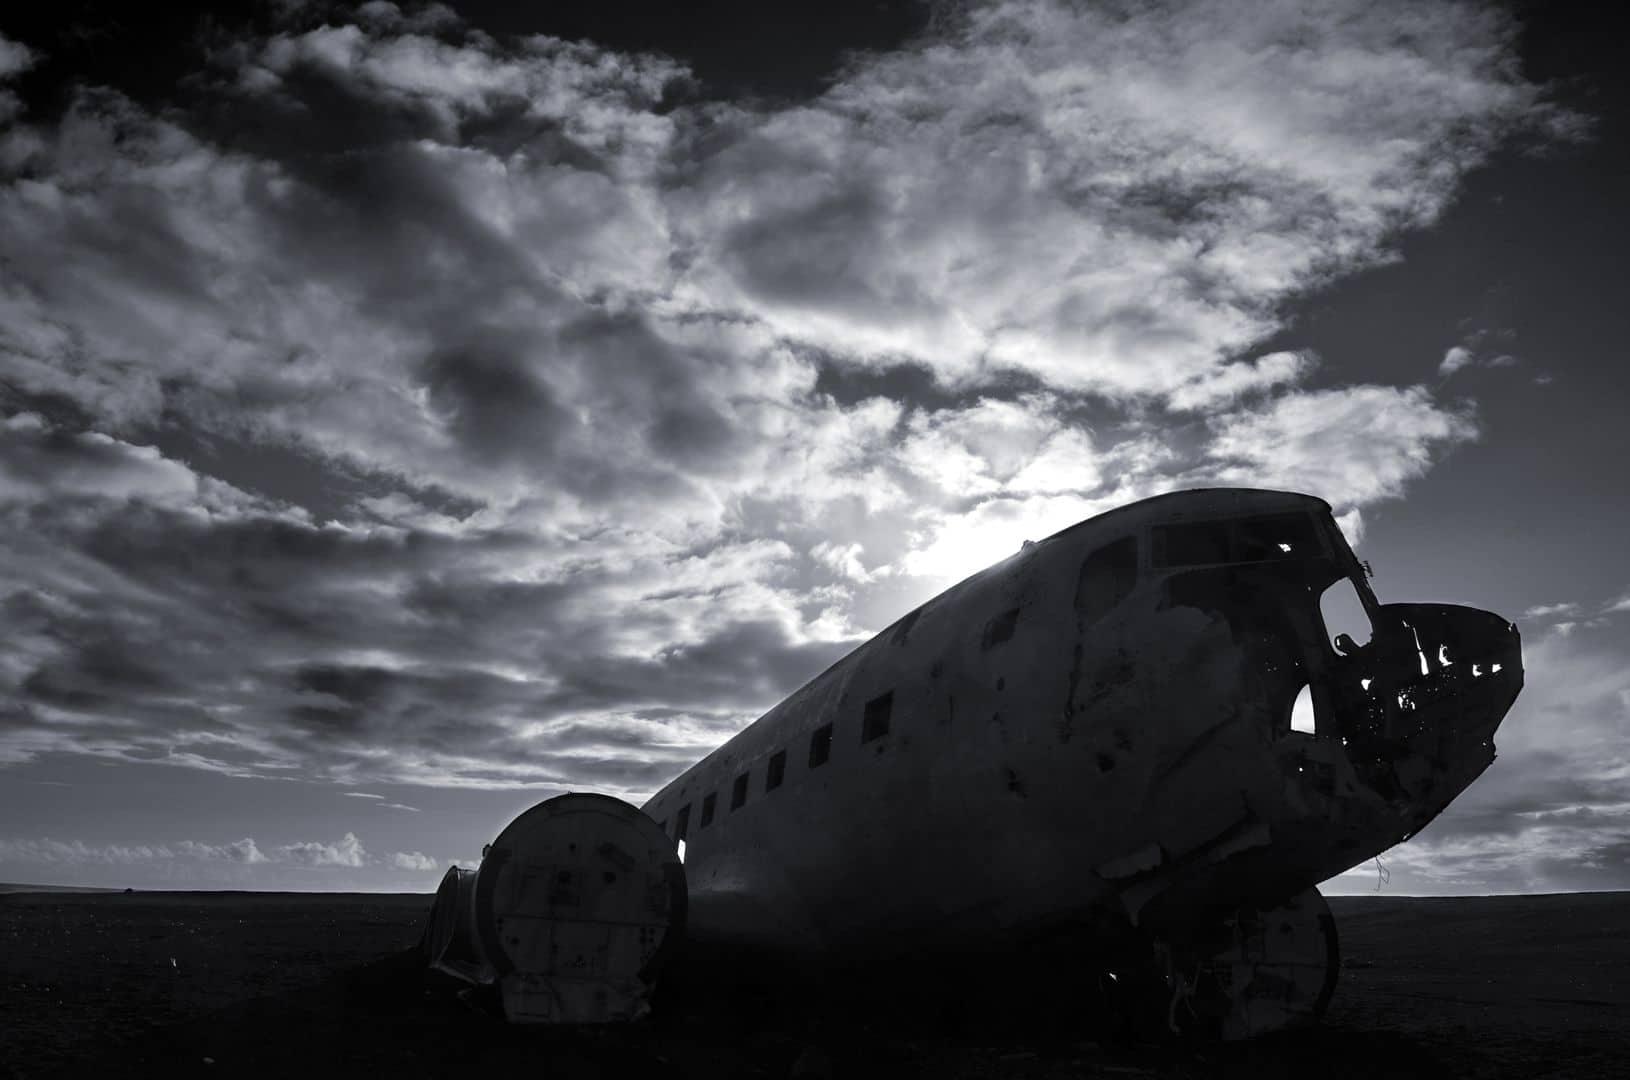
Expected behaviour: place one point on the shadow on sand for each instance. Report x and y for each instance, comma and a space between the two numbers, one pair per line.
387, 1018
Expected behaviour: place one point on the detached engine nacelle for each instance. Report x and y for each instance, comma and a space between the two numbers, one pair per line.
571, 915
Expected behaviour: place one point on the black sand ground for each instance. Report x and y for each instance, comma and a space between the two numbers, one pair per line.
295, 985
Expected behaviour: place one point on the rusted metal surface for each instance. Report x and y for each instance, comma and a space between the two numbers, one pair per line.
1099, 731
570, 916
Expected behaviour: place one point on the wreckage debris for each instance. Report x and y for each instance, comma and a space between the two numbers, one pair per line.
570, 916
1158, 729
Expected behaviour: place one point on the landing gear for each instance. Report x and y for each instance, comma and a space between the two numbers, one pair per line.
1257, 971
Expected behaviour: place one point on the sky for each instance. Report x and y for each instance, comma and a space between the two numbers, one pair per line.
410, 412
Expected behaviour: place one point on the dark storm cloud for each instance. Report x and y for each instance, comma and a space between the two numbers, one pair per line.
597, 417
738, 664
257, 608
807, 255
493, 404
96, 674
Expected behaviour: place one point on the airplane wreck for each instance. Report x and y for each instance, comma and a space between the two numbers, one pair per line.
1161, 727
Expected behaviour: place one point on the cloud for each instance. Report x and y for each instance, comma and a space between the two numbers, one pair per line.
241, 851
43, 463
1102, 202
1355, 444
1224, 384
1487, 347
347, 851
504, 413
15, 58
1621, 603
58, 852
413, 860
1456, 358
842, 559
1020, 447
1545, 611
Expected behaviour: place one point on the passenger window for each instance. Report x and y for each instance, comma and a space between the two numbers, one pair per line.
875, 724
1344, 614
777, 770
1107, 577
707, 810
738, 792
820, 746
682, 824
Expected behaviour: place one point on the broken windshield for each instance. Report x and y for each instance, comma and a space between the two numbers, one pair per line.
1344, 616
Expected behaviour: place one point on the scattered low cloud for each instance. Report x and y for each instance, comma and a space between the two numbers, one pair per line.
1456, 358
1489, 347
416, 861
48, 851
15, 58
346, 852
189, 863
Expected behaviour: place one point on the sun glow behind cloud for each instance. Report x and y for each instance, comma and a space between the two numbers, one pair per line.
572, 377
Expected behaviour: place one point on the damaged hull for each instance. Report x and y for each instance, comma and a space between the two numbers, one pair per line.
1105, 734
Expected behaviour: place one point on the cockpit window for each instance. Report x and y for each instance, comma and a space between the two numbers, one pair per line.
1346, 623
1107, 577
1266, 538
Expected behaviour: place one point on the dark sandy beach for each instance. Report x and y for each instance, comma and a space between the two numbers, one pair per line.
233, 984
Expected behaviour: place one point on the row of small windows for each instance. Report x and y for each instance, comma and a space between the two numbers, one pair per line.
874, 725
1108, 576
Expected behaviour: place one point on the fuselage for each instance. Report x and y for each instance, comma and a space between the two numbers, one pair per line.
1097, 728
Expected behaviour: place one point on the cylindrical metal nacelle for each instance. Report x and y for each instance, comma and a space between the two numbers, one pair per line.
571, 914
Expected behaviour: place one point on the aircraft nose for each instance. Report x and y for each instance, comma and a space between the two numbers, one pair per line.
1444, 678
1470, 665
